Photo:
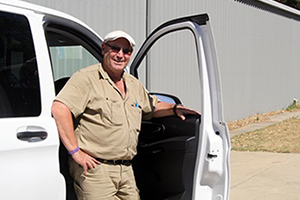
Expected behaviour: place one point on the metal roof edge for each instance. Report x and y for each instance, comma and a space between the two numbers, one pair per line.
281, 6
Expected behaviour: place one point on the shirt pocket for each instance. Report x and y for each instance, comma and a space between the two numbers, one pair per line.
116, 113
135, 117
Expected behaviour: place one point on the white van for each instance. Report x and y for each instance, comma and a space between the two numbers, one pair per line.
40, 49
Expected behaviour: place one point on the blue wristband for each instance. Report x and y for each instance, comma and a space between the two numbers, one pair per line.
74, 151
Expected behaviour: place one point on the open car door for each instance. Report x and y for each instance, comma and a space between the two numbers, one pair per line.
184, 160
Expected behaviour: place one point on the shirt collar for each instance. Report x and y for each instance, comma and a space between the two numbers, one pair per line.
104, 74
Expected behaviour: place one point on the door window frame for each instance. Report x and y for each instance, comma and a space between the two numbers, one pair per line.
89, 40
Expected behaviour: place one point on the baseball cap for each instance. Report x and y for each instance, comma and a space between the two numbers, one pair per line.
119, 34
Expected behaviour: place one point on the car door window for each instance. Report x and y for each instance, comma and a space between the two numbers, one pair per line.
68, 53
171, 73
19, 77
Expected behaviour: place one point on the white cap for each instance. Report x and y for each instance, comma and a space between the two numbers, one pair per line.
119, 34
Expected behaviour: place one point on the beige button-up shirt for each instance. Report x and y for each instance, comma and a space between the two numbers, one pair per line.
109, 124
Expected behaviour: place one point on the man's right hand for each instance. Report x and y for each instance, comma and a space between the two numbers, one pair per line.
85, 160
64, 122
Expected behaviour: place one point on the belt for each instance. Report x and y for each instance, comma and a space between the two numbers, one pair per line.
115, 162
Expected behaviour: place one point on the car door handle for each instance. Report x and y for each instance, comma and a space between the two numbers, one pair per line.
31, 134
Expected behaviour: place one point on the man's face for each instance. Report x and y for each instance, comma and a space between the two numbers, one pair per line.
116, 55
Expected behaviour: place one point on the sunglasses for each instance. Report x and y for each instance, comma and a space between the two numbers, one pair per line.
116, 49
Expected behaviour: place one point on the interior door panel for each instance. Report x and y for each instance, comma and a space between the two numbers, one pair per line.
164, 165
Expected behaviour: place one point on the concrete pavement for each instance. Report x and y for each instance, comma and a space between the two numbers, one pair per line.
264, 176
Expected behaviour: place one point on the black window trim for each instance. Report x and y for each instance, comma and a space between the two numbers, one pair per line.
54, 23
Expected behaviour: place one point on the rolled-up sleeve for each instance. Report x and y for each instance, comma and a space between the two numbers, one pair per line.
75, 94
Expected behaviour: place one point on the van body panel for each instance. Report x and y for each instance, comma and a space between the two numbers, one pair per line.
29, 138
40, 49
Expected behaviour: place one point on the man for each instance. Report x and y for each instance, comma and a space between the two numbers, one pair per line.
110, 105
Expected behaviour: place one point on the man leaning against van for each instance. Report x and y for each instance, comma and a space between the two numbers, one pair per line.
110, 104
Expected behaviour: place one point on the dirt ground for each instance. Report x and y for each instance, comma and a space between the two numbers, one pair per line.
283, 137
253, 119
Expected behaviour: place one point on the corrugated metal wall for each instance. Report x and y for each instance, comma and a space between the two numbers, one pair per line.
257, 47
258, 52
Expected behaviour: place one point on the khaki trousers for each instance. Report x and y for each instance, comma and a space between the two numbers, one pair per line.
105, 182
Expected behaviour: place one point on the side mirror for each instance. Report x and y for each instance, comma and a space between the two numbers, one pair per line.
167, 98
